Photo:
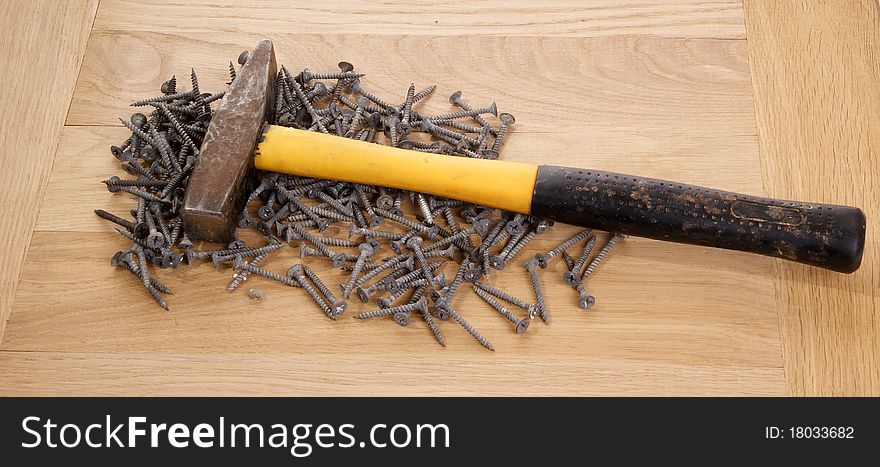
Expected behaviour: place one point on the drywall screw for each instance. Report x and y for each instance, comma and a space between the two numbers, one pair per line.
191, 256
143, 182
573, 275
386, 302
142, 264
334, 203
170, 86
431, 232
242, 275
306, 104
274, 245
415, 244
489, 109
352, 230
531, 309
506, 120
338, 306
360, 192
408, 103
458, 125
320, 222
166, 98
468, 327
521, 325
365, 250
435, 330
429, 127
426, 210
240, 264
125, 258
455, 98
307, 75
298, 275
154, 239
139, 229
532, 267
406, 281
569, 260
544, 258
499, 261
333, 241
601, 255
314, 241
520, 245
357, 88
422, 304
140, 193
455, 284
585, 300
158, 217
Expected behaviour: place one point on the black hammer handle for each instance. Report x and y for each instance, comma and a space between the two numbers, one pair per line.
822, 235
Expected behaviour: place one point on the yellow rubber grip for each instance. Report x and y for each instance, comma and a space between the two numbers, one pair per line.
498, 184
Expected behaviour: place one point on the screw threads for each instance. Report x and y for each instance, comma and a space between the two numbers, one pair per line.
532, 268
500, 294
465, 113
420, 304
356, 271
247, 252
426, 210
606, 249
520, 245
455, 284
304, 283
585, 300
308, 105
435, 330
468, 327
408, 103
543, 260
402, 220
242, 275
376, 233
574, 271
115, 219
240, 264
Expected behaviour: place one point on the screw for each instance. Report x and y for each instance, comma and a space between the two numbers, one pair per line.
239, 264
489, 109
421, 305
273, 245
139, 229
296, 272
544, 259
506, 120
585, 300
431, 232
468, 327
365, 251
242, 57
435, 330
532, 267
520, 245
241, 276
606, 249
573, 275
455, 284
415, 244
531, 309
521, 325
456, 99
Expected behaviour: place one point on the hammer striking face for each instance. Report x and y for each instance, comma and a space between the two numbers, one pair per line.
215, 194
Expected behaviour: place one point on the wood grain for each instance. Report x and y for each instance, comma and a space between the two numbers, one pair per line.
157, 374
545, 18
653, 88
817, 85
44, 44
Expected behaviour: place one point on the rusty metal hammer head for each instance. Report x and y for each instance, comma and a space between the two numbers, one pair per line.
215, 194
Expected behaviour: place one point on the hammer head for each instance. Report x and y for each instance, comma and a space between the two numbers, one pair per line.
216, 192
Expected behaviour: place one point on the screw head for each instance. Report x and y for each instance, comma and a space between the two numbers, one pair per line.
435, 295
414, 242
440, 313
322, 224
366, 249
482, 226
409, 263
472, 275
346, 67
217, 260
405, 144
401, 318
383, 303
449, 252
155, 240
246, 222
236, 245
338, 260
386, 201
490, 154
305, 250
138, 119
190, 257
243, 57
265, 212
373, 243
362, 294
433, 232
543, 225
338, 308
496, 262
148, 153
540, 259
396, 245
586, 302
523, 325
570, 278
423, 305
506, 118
404, 129
533, 311
116, 260
493, 109
455, 97
111, 187
439, 280
295, 270
375, 221
238, 262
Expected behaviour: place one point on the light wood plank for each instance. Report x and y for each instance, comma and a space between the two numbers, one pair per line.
44, 43
817, 85
70, 374
597, 88
548, 18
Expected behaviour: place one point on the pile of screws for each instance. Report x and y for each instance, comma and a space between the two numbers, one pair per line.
424, 232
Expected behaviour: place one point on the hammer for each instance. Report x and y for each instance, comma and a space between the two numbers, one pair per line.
237, 140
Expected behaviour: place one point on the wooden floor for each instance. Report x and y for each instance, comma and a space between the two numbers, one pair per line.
778, 98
